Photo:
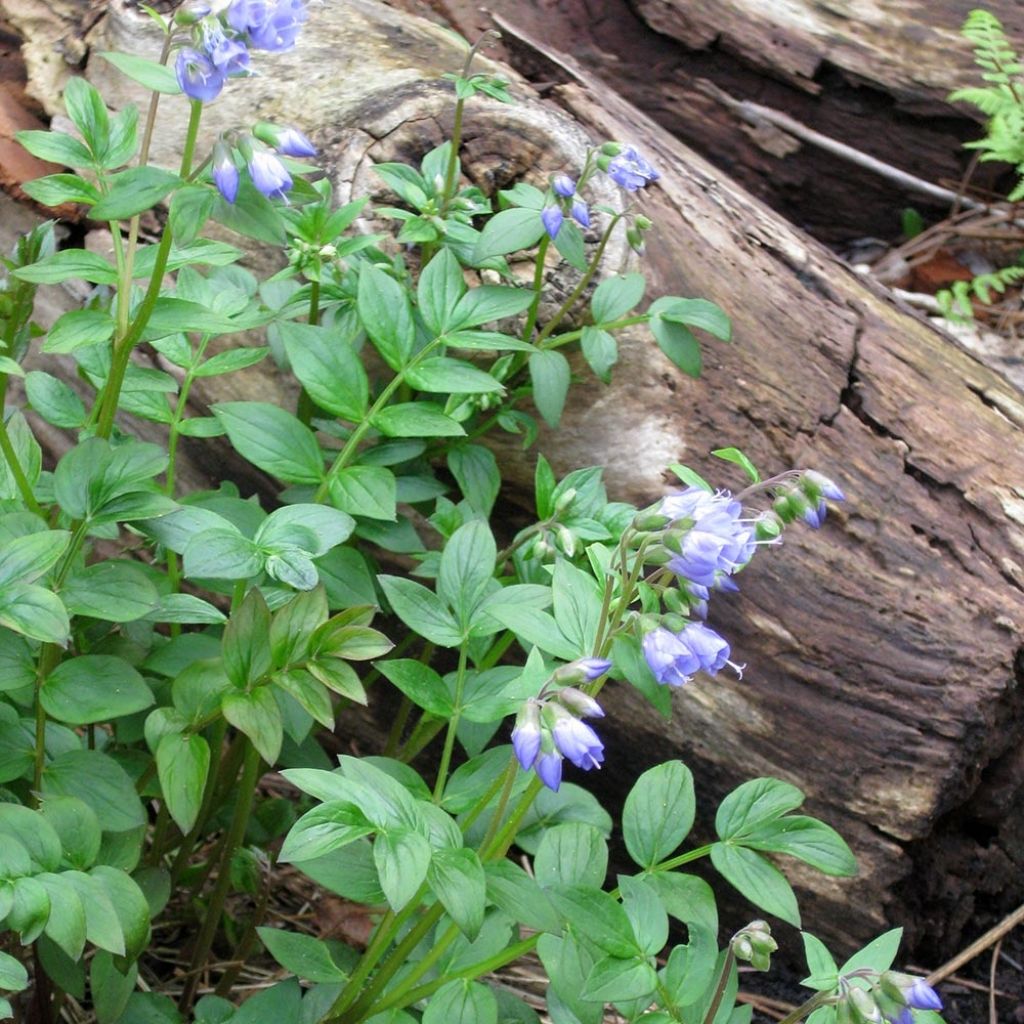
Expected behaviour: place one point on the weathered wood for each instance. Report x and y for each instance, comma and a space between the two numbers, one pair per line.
884, 652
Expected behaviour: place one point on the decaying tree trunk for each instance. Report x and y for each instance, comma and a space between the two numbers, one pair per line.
884, 663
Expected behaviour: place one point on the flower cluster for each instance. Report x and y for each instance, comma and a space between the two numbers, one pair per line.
894, 999
629, 170
704, 538
550, 729
266, 171
222, 38
566, 199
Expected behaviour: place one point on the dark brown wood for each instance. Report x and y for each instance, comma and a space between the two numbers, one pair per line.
883, 653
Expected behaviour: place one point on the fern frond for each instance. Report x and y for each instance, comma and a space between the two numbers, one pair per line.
955, 301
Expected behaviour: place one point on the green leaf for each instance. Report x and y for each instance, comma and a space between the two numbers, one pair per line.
67, 265
698, 313
134, 191
257, 715
754, 803
807, 839
101, 782
29, 911
402, 857
756, 878
364, 491
646, 914
13, 976
154, 76
88, 112
191, 207
78, 827
572, 853
183, 763
55, 189
123, 137
222, 553
678, 343
102, 925
600, 350
616, 296
305, 956
54, 400
328, 368
420, 683
444, 375
476, 472
34, 833
34, 612
569, 243
487, 303
658, 813
457, 879
55, 148
416, 419
24, 559
551, 376
273, 440
66, 923
310, 694
112, 591
735, 455
110, 988
384, 310
172, 315
597, 915
824, 973
577, 606
129, 903
328, 827
508, 231
440, 287
466, 569
231, 361
516, 893
94, 688
462, 1001
879, 954
615, 980
421, 610
245, 646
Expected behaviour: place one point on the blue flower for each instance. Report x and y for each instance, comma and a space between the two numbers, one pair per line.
581, 703
552, 217
199, 78
225, 172
921, 996
580, 213
814, 516
229, 55
549, 769
291, 142
827, 487
272, 25
575, 739
707, 646
526, 736
269, 175
630, 170
564, 186
719, 542
671, 661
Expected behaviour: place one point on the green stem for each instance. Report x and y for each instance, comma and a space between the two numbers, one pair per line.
807, 1008
508, 781
11, 457
453, 722
348, 451
581, 287
306, 406
538, 285
558, 340
683, 858
406, 995
723, 981
236, 833
123, 344
398, 726
179, 414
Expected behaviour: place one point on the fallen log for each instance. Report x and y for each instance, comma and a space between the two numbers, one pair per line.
884, 653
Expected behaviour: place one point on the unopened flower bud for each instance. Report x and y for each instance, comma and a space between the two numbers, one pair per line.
864, 1008
673, 623
581, 703
767, 526
826, 487
565, 500
674, 601
642, 222
611, 148
741, 948
566, 540
651, 521
635, 240
784, 507
439, 183
563, 185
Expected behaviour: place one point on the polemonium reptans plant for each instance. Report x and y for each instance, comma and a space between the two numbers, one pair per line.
159, 712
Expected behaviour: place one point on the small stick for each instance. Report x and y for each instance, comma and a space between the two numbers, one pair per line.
994, 934
992, 1019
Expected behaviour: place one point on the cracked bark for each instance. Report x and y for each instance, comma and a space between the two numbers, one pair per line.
884, 668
